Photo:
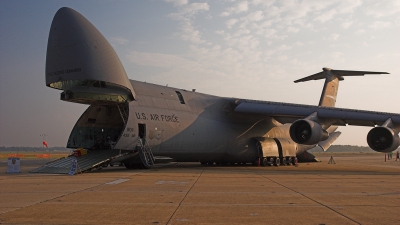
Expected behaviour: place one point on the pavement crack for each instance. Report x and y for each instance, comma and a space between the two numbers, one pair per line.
179, 205
319, 203
51, 199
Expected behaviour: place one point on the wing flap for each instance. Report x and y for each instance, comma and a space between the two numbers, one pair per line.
327, 143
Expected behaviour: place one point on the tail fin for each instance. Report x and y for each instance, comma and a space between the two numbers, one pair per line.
331, 86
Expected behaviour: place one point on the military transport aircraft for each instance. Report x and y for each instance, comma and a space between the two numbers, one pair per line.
134, 122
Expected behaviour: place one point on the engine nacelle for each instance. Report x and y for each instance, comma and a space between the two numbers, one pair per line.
307, 132
383, 139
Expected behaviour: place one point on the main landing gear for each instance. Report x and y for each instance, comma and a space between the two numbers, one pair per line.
265, 161
276, 161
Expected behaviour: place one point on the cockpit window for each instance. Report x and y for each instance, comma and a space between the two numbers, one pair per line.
101, 84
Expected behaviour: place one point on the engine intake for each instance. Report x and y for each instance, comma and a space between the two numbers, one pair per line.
383, 139
307, 132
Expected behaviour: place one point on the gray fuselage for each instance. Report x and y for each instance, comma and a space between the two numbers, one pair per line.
184, 125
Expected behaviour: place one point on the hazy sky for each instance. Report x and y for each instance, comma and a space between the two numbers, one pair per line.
245, 49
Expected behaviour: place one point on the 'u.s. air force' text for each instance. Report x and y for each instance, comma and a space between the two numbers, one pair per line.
157, 117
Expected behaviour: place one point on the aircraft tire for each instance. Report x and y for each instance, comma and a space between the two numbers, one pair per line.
284, 161
265, 162
288, 161
271, 161
277, 161
292, 160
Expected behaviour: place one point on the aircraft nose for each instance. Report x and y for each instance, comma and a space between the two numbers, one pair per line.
68, 28
76, 50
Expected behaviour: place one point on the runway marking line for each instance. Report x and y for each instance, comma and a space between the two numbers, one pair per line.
117, 181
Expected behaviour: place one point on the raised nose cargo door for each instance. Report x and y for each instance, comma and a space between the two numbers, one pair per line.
82, 63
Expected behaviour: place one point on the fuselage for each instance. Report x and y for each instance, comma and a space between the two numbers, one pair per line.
183, 125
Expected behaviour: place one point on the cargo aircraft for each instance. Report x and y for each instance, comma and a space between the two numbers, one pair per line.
137, 123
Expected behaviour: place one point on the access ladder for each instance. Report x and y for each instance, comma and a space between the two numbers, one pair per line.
146, 156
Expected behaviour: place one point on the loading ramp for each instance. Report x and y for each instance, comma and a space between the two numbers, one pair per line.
92, 160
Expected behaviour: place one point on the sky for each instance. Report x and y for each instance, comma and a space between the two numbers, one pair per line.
251, 49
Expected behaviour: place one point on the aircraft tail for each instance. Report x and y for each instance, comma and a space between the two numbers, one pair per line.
331, 86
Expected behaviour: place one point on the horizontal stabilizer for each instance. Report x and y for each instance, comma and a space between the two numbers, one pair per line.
338, 73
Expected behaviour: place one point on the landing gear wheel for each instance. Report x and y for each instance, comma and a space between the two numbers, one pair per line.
277, 161
288, 161
284, 161
265, 162
271, 161
291, 160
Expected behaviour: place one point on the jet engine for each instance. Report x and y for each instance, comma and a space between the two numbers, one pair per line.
383, 139
307, 132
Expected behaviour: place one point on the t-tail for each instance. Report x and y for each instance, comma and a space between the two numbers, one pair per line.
331, 86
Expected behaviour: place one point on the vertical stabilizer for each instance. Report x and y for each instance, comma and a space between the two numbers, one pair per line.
330, 90
331, 86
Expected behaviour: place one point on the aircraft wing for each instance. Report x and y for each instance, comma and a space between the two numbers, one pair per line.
288, 113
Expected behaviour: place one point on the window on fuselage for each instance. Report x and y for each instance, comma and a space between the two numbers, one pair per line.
180, 97
101, 84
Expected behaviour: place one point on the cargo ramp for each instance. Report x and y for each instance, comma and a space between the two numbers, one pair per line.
94, 159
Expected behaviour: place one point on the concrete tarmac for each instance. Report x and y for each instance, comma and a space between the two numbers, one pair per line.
358, 189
